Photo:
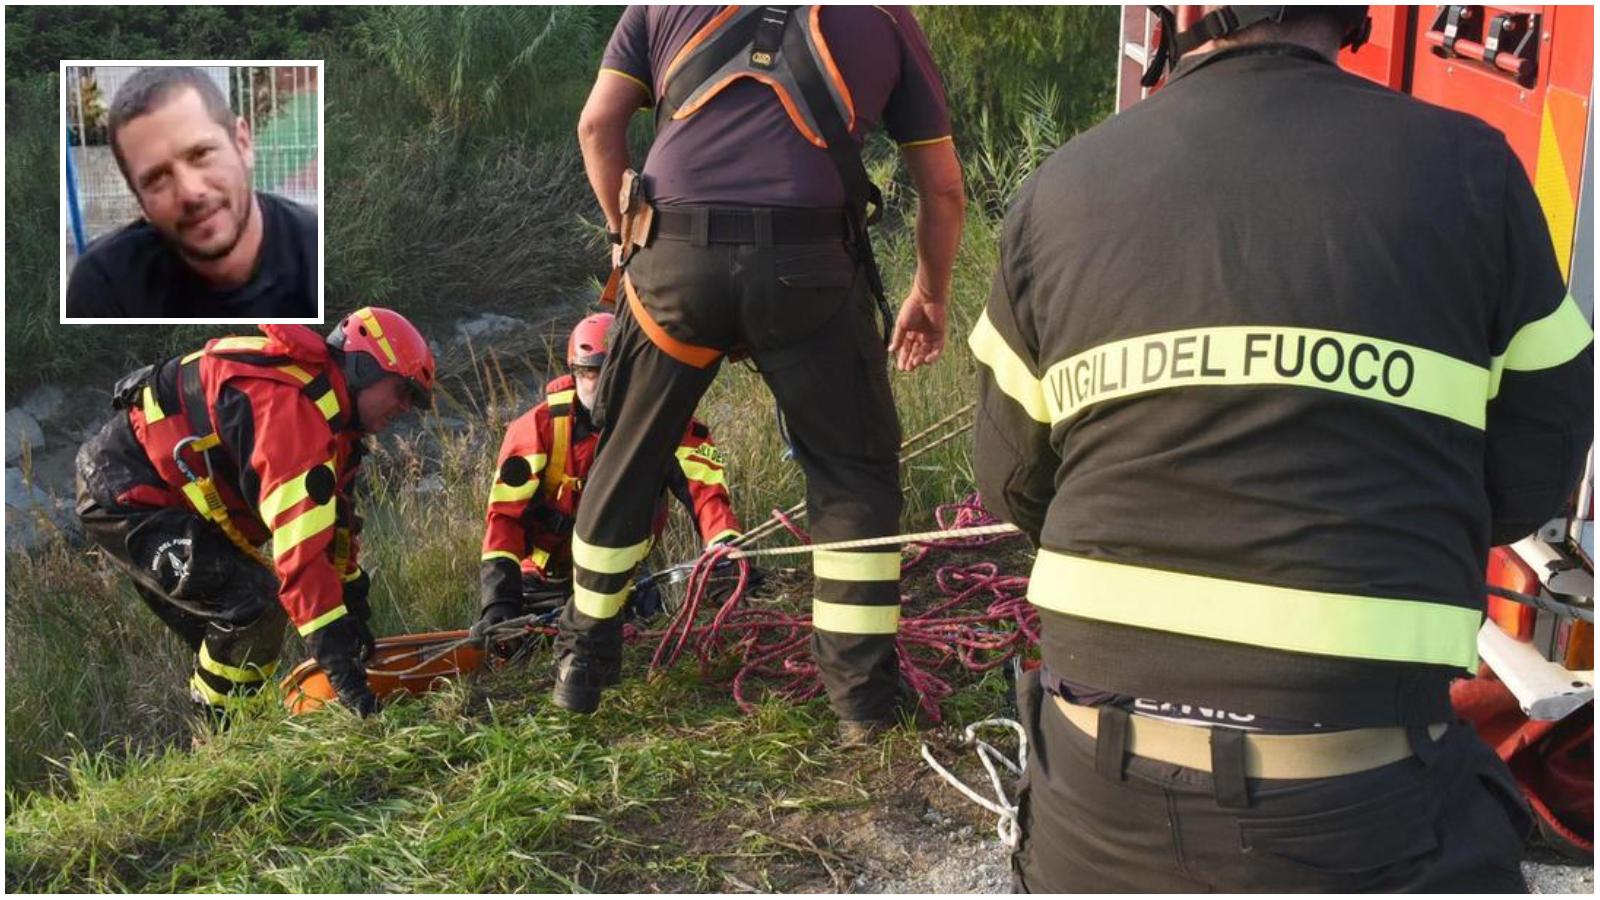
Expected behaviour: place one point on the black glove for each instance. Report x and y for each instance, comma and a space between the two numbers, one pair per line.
339, 648
355, 596
494, 614
645, 603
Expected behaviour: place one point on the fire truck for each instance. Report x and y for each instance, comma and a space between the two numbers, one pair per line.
1527, 70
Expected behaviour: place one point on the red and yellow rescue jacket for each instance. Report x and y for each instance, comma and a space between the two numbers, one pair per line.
539, 475
264, 427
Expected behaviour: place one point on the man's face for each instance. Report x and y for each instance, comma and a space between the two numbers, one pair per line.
588, 383
383, 401
191, 175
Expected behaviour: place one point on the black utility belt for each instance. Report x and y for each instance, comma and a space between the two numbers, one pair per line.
764, 226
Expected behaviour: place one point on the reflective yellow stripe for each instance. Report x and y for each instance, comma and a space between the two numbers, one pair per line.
352, 575
376, 330
642, 85
847, 618
607, 560
152, 409
1011, 374
505, 493
695, 470
297, 373
1260, 615
937, 140
231, 344
1351, 364
193, 356
308, 524
596, 605
501, 554
560, 397
287, 494
332, 615
207, 693
722, 535
235, 674
1544, 344
329, 404
838, 565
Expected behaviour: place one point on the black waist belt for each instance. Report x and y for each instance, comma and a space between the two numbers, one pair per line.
703, 225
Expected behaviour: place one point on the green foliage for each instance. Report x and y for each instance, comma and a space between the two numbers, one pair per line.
38, 37
991, 56
507, 69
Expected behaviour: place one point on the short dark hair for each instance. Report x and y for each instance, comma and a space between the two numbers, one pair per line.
152, 87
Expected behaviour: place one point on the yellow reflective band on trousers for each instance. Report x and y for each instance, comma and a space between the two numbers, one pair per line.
332, 615
206, 692
696, 470
837, 565
1544, 344
287, 494
1276, 618
1351, 364
500, 554
235, 674
1011, 374
608, 560
596, 605
847, 618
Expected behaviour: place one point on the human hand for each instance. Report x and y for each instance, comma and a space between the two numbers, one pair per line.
919, 330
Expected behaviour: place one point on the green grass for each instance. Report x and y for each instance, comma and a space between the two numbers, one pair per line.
473, 788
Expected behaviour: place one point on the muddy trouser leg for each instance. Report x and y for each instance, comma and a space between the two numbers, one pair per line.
833, 389
644, 402
222, 605
1452, 824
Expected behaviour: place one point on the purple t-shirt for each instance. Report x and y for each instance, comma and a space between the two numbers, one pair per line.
740, 148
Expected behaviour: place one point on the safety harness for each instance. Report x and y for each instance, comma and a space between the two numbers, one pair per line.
176, 385
555, 479
783, 48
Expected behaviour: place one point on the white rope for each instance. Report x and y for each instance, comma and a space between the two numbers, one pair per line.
1006, 828
886, 541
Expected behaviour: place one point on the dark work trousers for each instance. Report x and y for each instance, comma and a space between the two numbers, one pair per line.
222, 604
1454, 823
804, 314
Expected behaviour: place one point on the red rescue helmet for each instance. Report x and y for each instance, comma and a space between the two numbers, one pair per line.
376, 342
587, 346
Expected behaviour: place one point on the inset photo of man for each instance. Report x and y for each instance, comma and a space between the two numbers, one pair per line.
192, 192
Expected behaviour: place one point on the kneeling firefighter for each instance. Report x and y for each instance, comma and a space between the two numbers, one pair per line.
251, 439
543, 461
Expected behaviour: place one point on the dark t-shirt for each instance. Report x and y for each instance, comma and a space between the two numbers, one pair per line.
741, 148
134, 272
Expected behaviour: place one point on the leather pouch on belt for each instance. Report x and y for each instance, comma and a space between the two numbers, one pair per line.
638, 227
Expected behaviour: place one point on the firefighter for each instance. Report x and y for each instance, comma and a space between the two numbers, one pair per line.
1269, 362
253, 438
539, 482
745, 235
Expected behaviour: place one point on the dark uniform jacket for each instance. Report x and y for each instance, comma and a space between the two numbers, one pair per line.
1269, 362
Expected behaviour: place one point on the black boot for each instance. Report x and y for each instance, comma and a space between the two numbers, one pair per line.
578, 685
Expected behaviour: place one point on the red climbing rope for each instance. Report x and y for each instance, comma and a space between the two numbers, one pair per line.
978, 620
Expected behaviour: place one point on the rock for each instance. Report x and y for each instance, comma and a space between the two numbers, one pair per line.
33, 514
21, 428
487, 325
44, 402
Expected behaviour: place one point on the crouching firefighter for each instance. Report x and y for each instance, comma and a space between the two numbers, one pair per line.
248, 440
544, 459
